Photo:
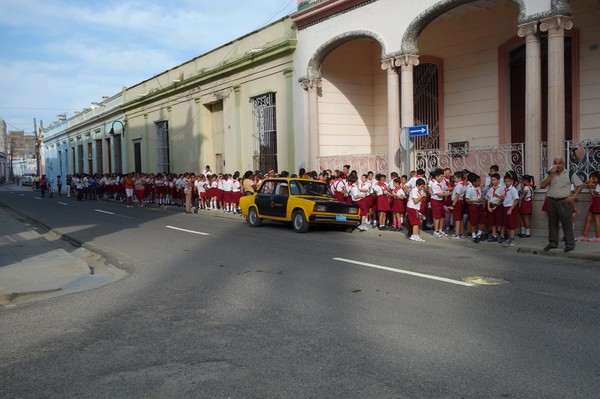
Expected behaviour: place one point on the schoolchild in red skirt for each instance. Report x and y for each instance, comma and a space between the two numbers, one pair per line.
474, 201
382, 194
511, 209
236, 192
398, 206
526, 205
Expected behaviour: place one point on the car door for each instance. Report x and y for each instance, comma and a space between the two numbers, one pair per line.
280, 199
264, 196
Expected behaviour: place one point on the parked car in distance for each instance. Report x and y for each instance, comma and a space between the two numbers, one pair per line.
302, 202
27, 179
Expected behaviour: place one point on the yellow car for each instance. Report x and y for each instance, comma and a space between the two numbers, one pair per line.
300, 201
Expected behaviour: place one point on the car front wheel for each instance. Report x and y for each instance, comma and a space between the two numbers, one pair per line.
253, 219
299, 222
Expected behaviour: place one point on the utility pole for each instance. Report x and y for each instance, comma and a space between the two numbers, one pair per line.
37, 148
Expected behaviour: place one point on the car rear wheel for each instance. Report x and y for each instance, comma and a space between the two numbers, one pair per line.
253, 219
299, 222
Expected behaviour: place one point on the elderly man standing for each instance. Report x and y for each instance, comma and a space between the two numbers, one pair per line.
560, 203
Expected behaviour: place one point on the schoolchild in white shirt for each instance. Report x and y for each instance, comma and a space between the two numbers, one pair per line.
457, 205
526, 205
359, 198
439, 192
495, 209
382, 193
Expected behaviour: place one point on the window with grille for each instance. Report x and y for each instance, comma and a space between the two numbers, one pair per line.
265, 132
162, 147
426, 103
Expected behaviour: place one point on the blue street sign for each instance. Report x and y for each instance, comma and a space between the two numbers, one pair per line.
415, 131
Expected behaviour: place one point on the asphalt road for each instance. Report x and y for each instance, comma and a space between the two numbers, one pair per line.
223, 310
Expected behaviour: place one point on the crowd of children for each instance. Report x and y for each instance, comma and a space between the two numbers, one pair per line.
454, 205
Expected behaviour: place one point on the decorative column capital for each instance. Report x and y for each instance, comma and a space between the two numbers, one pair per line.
407, 60
312, 84
529, 30
556, 23
389, 64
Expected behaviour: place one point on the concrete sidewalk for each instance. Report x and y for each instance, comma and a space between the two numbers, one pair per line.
37, 264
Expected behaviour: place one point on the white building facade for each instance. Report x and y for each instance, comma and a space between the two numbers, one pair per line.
517, 78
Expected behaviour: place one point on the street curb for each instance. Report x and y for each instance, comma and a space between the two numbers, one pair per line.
559, 253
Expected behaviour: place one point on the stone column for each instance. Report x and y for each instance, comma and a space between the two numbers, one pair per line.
555, 26
407, 64
393, 112
312, 86
533, 99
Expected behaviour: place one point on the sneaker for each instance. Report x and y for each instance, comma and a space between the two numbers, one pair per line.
454, 237
476, 239
583, 239
512, 242
506, 243
492, 238
436, 234
595, 239
500, 239
416, 238
443, 234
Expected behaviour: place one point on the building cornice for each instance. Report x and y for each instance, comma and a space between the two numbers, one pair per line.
248, 61
325, 10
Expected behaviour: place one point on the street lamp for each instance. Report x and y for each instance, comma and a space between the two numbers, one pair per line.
112, 128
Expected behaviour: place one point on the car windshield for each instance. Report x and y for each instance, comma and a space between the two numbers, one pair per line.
310, 187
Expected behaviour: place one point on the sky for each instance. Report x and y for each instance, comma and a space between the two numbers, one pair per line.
59, 56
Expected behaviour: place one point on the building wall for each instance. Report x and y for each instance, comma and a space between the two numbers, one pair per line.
352, 111
258, 63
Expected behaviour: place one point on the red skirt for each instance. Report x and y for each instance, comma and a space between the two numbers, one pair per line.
458, 211
595, 205
398, 206
228, 197
526, 207
383, 204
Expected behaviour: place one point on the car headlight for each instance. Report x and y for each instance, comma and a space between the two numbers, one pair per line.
353, 211
320, 208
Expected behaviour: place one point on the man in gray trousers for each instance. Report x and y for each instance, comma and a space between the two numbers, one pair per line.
560, 203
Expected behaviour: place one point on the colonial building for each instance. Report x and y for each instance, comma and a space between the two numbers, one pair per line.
509, 82
90, 141
231, 108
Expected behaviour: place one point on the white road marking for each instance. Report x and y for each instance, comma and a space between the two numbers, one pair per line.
38, 198
22, 195
101, 211
188, 231
390, 269
62, 203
